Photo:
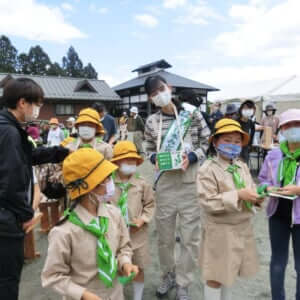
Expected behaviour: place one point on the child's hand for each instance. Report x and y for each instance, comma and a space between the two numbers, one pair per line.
289, 190
90, 296
129, 268
185, 162
138, 222
249, 195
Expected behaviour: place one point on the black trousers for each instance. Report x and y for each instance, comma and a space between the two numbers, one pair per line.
11, 263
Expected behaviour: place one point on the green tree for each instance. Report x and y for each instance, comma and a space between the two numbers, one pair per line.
56, 70
39, 61
23, 64
72, 64
8, 55
90, 72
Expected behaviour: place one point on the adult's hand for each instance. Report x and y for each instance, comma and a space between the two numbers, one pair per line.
289, 190
27, 224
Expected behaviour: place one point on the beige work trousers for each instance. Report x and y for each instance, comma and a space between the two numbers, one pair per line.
177, 199
138, 141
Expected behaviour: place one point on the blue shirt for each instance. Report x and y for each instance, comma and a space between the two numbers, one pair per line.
109, 125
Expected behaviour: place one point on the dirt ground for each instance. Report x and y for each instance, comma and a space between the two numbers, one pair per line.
257, 288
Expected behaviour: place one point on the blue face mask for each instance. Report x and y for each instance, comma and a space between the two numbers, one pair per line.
230, 151
292, 134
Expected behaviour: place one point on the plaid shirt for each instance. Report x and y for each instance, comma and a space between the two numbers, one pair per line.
198, 133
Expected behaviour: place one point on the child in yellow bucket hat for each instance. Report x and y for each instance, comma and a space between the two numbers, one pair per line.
90, 134
228, 197
135, 198
91, 242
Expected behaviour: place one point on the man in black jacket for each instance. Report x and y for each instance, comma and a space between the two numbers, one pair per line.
22, 99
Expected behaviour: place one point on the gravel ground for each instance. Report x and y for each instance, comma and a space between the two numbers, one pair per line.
252, 289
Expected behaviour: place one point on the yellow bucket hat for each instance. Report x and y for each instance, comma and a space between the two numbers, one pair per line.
228, 125
83, 170
90, 115
126, 149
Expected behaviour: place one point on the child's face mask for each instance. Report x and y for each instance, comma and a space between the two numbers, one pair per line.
230, 151
110, 191
127, 169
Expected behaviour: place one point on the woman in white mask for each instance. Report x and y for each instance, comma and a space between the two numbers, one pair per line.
246, 113
134, 197
90, 133
174, 129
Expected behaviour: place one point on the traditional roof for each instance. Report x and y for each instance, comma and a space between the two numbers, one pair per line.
162, 64
172, 79
69, 88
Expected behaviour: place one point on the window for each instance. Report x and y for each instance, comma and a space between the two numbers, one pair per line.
64, 109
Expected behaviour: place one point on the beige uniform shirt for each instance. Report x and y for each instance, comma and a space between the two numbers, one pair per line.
97, 144
141, 205
218, 194
228, 247
71, 265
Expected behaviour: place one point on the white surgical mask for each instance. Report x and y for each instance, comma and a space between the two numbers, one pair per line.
292, 134
269, 113
128, 169
247, 113
162, 98
34, 115
110, 189
86, 132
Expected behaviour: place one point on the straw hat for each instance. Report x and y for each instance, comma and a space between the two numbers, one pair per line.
83, 170
126, 149
227, 126
53, 121
289, 116
90, 115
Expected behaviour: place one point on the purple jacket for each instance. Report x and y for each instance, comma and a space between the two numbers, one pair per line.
268, 175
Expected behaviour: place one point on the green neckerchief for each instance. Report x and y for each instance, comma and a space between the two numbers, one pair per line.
106, 261
123, 200
238, 181
288, 165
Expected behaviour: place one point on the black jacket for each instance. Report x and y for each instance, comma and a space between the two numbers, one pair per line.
16, 178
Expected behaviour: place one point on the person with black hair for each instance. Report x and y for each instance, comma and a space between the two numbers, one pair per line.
91, 244
22, 99
246, 113
189, 96
173, 129
108, 122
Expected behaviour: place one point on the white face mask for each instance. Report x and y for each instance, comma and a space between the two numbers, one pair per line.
247, 113
86, 132
292, 134
34, 115
128, 169
162, 98
269, 113
110, 191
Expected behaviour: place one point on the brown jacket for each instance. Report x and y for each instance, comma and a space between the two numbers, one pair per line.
141, 204
71, 265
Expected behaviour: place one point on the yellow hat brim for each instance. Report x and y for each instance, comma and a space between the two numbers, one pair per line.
128, 155
229, 129
105, 169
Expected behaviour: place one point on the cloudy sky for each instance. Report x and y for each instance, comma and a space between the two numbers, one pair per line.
243, 47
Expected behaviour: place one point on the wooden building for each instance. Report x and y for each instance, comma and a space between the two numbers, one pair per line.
132, 91
66, 96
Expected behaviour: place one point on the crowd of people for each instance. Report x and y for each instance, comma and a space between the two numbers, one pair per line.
203, 195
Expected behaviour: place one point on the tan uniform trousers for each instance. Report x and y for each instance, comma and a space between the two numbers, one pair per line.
138, 141
177, 199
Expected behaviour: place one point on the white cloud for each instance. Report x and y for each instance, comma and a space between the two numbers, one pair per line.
99, 10
67, 6
198, 13
42, 22
262, 29
174, 3
146, 20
